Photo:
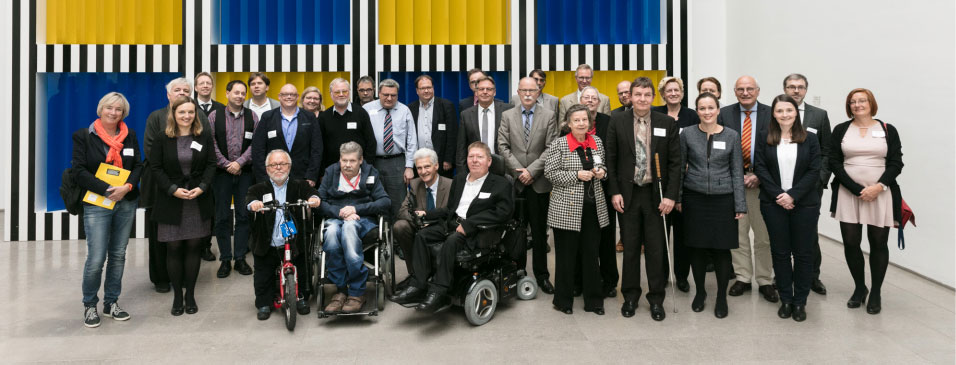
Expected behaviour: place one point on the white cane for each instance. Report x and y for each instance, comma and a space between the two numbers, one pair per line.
667, 245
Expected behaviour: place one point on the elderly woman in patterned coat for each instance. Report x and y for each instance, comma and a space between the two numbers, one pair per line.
575, 164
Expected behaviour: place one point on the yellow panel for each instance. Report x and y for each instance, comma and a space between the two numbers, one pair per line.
561, 83
440, 20
476, 22
458, 21
301, 80
113, 21
405, 18
407, 22
493, 21
423, 21
386, 21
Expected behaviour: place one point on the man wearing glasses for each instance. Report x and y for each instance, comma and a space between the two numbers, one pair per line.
395, 142
583, 75
344, 122
480, 123
366, 90
473, 76
624, 95
292, 130
547, 100
435, 124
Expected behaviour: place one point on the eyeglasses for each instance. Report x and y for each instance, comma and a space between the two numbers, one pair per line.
584, 78
623, 93
387, 96
527, 91
288, 95
485, 89
749, 90
365, 90
426, 88
588, 97
795, 87
473, 82
278, 165
341, 92
313, 98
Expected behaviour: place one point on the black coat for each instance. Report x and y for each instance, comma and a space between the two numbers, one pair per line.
621, 155
495, 209
469, 131
262, 223
306, 150
686, 117
894, 166
730, 117
443, 113
806, 172
168, 176
89, 151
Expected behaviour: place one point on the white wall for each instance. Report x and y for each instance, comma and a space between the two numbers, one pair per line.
902, 51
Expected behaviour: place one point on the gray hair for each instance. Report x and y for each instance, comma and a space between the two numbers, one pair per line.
387, 83
338, 80
350, 147
426, 153
178, 81
795, 76
279, 151
596, 92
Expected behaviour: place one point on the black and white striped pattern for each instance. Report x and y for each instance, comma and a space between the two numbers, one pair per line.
199, 52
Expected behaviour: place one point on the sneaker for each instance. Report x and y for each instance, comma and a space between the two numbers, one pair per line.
92, 319
114, 311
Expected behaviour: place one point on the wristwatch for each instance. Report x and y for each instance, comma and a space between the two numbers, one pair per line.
884, 186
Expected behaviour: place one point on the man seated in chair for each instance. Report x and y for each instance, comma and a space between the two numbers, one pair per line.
353, 196
478, 198
428, 192
266, 241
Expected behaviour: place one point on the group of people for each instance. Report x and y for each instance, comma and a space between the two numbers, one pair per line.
707, 177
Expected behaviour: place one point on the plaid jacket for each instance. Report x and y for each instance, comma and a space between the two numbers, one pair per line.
567, 195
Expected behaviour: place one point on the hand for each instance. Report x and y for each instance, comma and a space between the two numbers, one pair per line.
233, 168
353, 217
116, 193
182, 194
314, 201
585, 175
678, 207
871, 192
460, 230
346, 211
420, 213
599, 173
617, 201
195, 193
666, 206
784, 200
739, 216
311, 183
446, 166
751, 181
409, 175
255, 206
524, 176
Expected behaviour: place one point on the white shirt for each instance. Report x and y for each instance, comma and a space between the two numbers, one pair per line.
468, 195
203, 105
801, 108
481, 128
344, 184
424, 124
348, 107
787, 160
259, 109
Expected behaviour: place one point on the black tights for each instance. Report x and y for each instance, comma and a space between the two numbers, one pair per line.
700, 257
879, 254
182, 263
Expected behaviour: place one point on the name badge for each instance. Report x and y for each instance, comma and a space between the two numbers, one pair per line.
272, 134
441, 127
812, 130
598, 159
370, 180
127, 152
351, 125
248, 135
267, 198
196, 146
879, 134
720, 145
660, 132
373, 112
484, 195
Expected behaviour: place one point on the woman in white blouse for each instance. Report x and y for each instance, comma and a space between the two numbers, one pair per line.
788, 166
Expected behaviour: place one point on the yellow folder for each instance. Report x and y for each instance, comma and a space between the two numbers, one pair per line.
112, 175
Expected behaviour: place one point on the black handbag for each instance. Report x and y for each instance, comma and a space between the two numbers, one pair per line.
71, 193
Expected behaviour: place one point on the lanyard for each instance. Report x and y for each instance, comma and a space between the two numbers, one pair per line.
354, 186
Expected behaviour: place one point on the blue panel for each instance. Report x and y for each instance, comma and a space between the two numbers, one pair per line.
450, 85
598, 22
300, 22
70, 104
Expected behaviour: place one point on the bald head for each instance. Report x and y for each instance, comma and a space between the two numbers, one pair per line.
528, 91
288, 96
747, 91
624, 93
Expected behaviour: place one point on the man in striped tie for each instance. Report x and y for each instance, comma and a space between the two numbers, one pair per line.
396, 142
751, 118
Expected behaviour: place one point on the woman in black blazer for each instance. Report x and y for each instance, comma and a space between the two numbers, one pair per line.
788, 165
183, 165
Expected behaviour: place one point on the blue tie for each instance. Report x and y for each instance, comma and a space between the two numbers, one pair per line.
429, 200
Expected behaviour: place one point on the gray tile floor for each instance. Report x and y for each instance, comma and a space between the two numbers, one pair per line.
43, 323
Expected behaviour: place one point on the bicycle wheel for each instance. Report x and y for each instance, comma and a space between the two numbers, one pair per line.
288, 307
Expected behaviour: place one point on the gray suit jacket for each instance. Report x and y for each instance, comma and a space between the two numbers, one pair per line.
468, 130
273, 103
817, 121
547, 100
571, 99
418, 189
518, 155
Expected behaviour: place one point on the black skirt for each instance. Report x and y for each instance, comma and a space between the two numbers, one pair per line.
709, 220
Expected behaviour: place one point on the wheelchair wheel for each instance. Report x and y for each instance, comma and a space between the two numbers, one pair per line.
320, 299
480, 303
387, 253
380, 295
527, 288
288, 308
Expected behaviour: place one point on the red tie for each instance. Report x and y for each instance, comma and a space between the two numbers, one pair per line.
745, 139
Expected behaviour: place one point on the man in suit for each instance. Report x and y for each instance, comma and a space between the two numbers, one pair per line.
428, 192
750, 118
524, 135
435, 124
366, 90
477, 198
266, 241
817, 121
155, 127
584, 74
547, 100
395, 142
624, 95
232, 130
344, 122
481, 123
473, 76
204, 87
292, 130
639, 144
260, 103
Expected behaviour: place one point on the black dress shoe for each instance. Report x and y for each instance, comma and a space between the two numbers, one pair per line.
786, 309
403, 284
207, 255
610, 293
302, 306
598, 311
433, 302
627, 310
858, 298
739, 288
264, 313
224, 269
162, 288
191, 309
410, 294
564, 310
799, 313
176, 311
769, 293
874, 306
576, 292
545, 286
698, 304
657, 312
720, 309
817, 286
683, 286
400, 252
242, 267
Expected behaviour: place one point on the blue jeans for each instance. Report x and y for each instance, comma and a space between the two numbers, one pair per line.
229, 188
344, 258
107, 234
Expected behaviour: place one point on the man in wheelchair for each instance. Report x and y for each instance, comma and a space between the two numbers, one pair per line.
478, 198
353, 195
266, 241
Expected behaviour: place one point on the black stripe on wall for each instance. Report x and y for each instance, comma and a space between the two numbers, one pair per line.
669, 48
655, 57
197, 40
31, 129
117, 58
683, 45
325, 56
65, 226
84, 55
15, 128
132, 56
100, 49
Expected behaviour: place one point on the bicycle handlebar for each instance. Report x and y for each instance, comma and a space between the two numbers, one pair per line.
275, 206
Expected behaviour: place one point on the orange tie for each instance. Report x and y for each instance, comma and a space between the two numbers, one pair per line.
745, 139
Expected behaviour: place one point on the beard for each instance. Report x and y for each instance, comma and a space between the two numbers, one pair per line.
279, 177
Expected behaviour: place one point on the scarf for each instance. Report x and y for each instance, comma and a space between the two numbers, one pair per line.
114, 155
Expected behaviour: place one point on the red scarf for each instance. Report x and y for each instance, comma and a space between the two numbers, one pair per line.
573, 143
114, 155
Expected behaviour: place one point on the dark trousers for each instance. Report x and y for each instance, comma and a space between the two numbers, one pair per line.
607, 253
230, 191
681, 253
571, 247
817, 255
405, 236
535, 212
392, 173
265, 278
427, 254
158, 273
792, 235
642, 224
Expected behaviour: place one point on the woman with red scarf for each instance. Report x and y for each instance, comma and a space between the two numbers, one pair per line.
107, 140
